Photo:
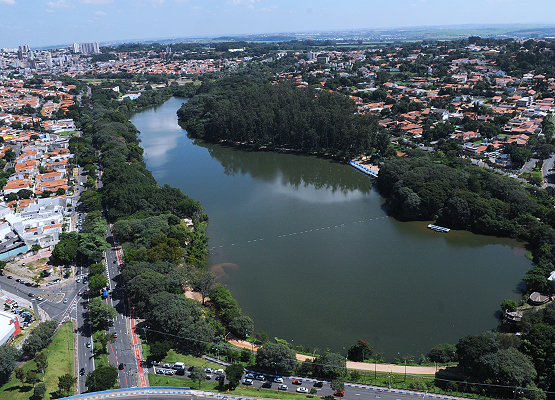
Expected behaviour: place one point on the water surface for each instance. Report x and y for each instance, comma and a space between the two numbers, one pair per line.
309, 252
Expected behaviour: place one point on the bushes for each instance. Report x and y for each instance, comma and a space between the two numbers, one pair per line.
40, 337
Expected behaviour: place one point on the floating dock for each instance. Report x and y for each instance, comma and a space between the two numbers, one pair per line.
363, 169
438, 228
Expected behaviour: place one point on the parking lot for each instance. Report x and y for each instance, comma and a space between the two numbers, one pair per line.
257, 380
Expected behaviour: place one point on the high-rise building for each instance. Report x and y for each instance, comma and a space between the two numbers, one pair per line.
90, 48
168, 50
75, 47
49, 60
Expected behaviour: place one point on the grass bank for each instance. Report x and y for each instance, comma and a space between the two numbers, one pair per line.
60, 362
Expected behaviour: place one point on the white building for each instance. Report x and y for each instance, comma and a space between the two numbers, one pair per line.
8, 326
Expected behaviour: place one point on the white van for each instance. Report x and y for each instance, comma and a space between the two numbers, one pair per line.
179, 366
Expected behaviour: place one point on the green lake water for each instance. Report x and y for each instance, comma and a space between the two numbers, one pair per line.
306, 247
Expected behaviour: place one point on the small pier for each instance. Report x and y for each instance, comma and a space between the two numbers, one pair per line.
363, 169
438, 228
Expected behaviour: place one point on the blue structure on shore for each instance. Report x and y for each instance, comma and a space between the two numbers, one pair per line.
363, 169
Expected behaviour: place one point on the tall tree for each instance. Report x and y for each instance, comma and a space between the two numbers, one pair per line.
276, 357
234, 373
8, 361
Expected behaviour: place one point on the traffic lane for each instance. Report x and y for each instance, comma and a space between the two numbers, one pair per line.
55, 310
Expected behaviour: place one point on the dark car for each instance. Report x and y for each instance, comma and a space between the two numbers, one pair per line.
318, 384
31, 294
2, 273
18, 280
120, 366
267, 384
339, 394
82, 371
28, 284
10, 277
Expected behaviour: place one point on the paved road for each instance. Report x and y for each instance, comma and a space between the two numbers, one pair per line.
549, 176
120, 352
160, 393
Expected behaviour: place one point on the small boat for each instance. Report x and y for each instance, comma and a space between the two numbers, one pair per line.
438, 228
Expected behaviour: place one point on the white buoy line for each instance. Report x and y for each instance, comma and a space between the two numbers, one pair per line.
307, 231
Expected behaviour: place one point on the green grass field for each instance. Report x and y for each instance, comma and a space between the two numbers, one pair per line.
60, 362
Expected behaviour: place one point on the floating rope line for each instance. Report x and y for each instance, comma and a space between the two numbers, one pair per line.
307, 231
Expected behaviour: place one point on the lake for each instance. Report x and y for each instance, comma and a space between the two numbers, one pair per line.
307, 248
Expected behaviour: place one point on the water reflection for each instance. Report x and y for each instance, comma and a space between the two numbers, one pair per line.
290, 171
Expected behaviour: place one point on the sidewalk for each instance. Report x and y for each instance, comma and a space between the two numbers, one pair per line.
395, 368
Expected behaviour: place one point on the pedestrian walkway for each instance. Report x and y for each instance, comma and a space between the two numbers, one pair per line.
394, 368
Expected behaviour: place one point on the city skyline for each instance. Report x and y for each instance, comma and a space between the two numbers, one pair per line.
56, 22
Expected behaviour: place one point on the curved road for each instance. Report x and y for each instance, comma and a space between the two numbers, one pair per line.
162, 393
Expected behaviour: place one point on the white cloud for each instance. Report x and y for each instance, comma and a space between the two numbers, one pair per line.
58, 4
267, 9
9, 2
100, 13
248, 3
96, 1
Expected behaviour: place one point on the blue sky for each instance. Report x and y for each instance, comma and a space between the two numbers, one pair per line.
42, 23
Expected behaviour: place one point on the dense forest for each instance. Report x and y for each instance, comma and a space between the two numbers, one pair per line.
282, 116
162, 232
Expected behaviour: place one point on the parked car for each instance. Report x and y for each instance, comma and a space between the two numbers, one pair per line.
259, 377
302, 389
10, 277
168, 372
278, 380
160, 371
339, 394
297, 381
283, 386
249, 376
267, 384
66, 300
318, 384
247, 381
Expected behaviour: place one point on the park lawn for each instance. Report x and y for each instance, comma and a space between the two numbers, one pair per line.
66, 133
60, 362
175, 356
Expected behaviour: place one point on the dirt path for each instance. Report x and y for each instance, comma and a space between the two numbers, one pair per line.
399, 369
